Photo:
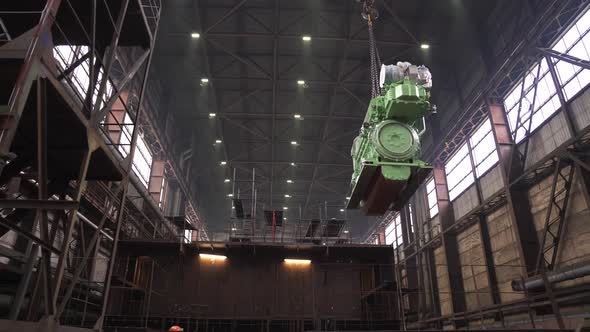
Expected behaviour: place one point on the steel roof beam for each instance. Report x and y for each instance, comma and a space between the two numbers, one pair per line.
315, 38
244, 60
226, 15
331, 106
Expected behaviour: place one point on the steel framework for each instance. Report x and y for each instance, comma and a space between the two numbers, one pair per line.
72, 74
518, 174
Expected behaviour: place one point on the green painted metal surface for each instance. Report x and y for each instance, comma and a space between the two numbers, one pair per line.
390, 135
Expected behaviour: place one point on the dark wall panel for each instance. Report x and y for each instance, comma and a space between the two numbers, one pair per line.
254, 282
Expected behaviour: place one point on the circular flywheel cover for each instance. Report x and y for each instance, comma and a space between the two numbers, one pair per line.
395, 140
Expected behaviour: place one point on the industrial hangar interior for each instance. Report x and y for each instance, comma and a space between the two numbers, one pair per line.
294, 165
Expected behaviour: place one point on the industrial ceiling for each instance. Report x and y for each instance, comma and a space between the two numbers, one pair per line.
242, 60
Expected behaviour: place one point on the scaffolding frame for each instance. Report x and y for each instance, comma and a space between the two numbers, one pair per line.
70, 222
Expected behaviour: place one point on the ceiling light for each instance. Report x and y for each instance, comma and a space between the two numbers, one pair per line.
234, 229
217, 141
289, 181
292, 164
297, 261
212, 257
212, 115
287, 196
347, 197
293, 142
306, 38
297, 116
223, 163
301, 82
284, 218
285, 208
345, 232
424, 46
226, 180
341, 210
230, 195
195, 35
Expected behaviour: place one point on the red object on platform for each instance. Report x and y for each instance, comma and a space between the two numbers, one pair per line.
176, 328
381, 194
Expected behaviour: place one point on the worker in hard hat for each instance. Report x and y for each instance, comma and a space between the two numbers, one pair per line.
176, 328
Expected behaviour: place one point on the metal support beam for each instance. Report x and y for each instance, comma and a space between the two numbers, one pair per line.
564, 104
241, 59
584, 182
108, 63
42, 192
331, 107
226, 15
484, 236
411, 265
555, 216
449, 243
519, 207
125, 183
46, 204
23, 285
99, 115
22, 232
72, 220
489, 260
398, 21
565, 57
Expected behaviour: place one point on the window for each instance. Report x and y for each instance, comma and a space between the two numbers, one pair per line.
188, 236
80, 76
459, 172
483, 148
542, 96
162, 192
431, 197
142, 158
572, 79
390, 233
411, 217
393, 231
575, 42
399, 240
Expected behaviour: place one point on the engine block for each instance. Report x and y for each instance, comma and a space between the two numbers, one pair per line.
386, 152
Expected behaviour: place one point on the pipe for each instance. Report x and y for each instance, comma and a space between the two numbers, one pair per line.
567, 273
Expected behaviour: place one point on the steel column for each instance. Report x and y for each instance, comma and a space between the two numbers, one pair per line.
71, 223
449, 243
564, 105
555, 222
565, 57
484, 236
23, 285
125, 184
410, 265
519, 206
42, 204
42, 194
111, 54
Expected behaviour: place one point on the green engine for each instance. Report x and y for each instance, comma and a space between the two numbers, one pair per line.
389, 140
